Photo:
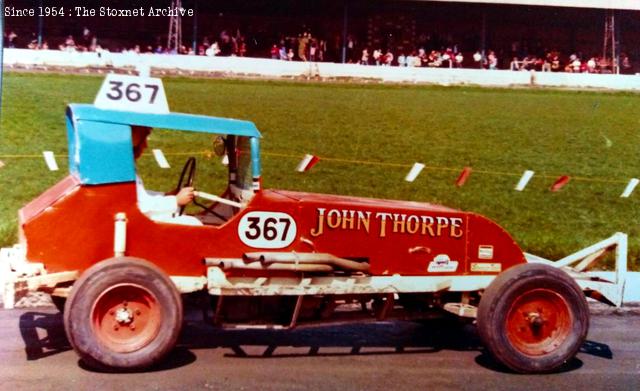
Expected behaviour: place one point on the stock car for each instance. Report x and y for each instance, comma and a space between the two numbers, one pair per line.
277, 258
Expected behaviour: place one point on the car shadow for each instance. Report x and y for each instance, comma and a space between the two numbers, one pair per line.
393, 337
43, 335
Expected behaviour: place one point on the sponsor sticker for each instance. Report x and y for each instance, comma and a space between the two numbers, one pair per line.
485, 252
485, 267
442, 264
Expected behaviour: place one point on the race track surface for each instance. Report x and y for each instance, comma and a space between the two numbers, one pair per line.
35, 354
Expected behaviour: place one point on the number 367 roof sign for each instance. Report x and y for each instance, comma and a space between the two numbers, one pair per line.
132, 93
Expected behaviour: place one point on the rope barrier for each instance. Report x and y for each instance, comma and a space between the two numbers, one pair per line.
364, 162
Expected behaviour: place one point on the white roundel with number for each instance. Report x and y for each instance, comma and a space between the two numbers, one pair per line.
267, 229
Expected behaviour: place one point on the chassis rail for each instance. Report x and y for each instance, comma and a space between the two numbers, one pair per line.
18, 277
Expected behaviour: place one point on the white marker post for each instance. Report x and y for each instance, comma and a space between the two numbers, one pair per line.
161, 159
526, 177
414, 172
307, 162
630, 187
50, 159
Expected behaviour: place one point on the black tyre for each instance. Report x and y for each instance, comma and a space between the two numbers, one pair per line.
533, 318
123, 313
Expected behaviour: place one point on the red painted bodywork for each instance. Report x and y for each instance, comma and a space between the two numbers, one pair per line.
71, 227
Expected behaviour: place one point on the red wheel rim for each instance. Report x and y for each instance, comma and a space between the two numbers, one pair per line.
538, 322
126, 318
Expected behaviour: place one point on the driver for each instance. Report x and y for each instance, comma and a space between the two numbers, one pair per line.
155, 205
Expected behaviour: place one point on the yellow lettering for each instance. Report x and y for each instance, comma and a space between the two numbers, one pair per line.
399, 222
456, 229
333, 218
442, 222
383, 223
320, 228
427, 226
364, 220
347, 222
413, 224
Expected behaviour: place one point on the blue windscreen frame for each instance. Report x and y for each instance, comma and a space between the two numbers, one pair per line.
100, 146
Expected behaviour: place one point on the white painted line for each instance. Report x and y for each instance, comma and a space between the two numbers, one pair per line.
630, 187
414, 172
50, 159
161, 159
526, 177
1, 164
225, 160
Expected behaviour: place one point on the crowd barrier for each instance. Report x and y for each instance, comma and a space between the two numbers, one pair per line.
243, 66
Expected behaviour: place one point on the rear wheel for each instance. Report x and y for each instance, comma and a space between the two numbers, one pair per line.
123, 313
533, 318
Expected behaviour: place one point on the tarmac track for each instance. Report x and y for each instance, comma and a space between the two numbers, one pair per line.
35, 355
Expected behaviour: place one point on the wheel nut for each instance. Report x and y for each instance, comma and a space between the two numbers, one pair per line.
138, 312
132, 326
116, 327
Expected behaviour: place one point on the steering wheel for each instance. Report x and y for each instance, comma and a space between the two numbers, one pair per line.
189, 170
187, 177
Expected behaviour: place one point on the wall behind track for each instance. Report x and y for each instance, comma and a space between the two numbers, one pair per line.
242, 66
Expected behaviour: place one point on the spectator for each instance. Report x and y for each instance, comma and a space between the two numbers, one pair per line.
514, 65
302, 46
573, 65
364, 60
459, 59
283, 53
388, 58
313, 49
477, 59
274, 52
411, 59
417, 61
402, 60
290, 55
69, 44
377, 53
625, 65
11, 39
492, 60
447, 58
555, 62
591, 65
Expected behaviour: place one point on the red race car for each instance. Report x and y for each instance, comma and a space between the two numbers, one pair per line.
276, 258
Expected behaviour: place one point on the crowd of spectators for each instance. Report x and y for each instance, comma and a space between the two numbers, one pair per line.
551, 62
307, 47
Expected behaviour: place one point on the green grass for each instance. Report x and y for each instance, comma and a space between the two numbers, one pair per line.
591, 135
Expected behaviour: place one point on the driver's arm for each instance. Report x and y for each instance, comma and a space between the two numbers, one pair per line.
185, 196
151, 203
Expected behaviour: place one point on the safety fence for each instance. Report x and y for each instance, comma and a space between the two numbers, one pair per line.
307, 161
258, 67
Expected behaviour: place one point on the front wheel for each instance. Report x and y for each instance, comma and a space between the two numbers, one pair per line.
123, 313
533, 318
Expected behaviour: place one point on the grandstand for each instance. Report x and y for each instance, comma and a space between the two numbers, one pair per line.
343, 28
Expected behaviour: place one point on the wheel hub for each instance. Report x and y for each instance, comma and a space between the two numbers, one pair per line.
124, 316
538, 322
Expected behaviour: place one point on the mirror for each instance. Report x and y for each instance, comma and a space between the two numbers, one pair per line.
219, 146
